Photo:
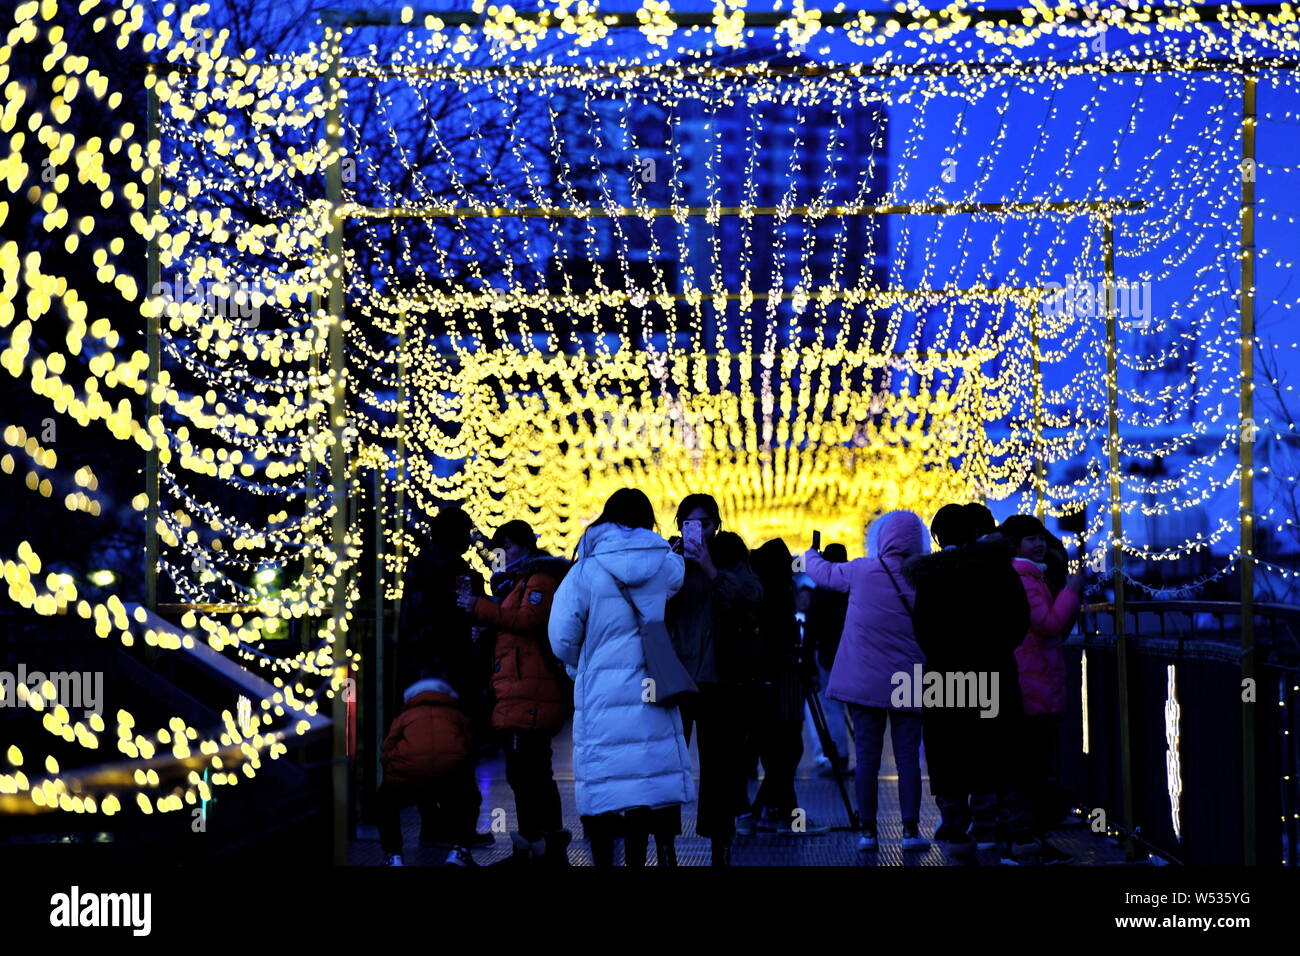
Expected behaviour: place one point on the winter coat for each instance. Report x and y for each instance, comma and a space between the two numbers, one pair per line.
436, 632
626, 752
825, 624
878, 640
430, 738
1042, 666
698, 617
971, 615
738, 635
528, 689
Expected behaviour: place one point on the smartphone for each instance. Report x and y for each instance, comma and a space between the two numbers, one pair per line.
817, 541
692, 537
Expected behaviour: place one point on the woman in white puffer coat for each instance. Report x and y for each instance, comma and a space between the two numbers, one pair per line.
631, 765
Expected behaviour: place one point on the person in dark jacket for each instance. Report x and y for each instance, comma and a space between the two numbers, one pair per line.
434, 631
737, 642
428, 761
713, 591
531, 693
970, 615
775, 709
825, 628
1057, 559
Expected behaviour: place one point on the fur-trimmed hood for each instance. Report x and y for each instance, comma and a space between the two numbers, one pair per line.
426, 686
1029, 566
544, 563
537, 563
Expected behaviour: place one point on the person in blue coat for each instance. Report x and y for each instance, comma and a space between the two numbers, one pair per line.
631, 765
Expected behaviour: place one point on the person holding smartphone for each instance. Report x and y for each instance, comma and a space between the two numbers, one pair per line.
718, 589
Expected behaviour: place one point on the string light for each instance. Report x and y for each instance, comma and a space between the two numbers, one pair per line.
804, 390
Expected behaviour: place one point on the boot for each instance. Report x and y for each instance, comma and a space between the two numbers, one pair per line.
666, 851
525, 850
556, 852
600, 837
602, 850
721, 853
635, 846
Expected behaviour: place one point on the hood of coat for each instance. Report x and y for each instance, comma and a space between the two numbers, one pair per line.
632, 555
538, 563
428, 686
899, 535
543, 563
1030, 569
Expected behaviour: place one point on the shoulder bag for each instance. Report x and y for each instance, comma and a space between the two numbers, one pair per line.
670, 678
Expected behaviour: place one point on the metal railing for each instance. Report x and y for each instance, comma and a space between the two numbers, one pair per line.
120, 776
1173, 691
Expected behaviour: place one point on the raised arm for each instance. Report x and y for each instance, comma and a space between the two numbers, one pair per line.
530, 617
826, 574
1051, 618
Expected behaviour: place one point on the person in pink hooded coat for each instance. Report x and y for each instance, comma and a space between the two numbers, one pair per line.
879, 643
1042, 672
1041, 664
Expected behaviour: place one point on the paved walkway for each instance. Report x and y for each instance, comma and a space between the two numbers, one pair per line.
818, 796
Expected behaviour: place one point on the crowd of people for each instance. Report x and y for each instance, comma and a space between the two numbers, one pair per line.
646, 641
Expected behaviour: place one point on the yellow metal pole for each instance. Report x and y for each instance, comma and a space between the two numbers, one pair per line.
153, 346
1039, 479
1099, 207
1117, 528
400, 522
375, 710
338, 421
1246, 448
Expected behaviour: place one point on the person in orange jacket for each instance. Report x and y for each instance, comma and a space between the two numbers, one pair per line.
428, 761
532, 694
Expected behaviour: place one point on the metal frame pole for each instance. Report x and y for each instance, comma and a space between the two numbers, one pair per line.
313, 477
978, 453
1246, 448
1117, 530
375, 713
153, 345
400, 524
877, 20
338, 420
1039, 481
1097, 207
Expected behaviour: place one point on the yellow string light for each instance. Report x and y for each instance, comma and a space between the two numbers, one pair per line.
806, 425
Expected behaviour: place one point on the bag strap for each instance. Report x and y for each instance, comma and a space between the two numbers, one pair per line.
898, 590
622, 589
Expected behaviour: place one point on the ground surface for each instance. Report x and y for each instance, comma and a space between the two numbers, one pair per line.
818, 795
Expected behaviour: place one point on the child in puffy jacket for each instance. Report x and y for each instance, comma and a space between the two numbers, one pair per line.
428, 761
1042, 668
